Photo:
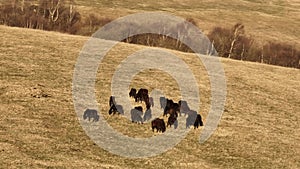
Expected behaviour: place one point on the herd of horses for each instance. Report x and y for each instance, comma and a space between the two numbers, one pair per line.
170, 108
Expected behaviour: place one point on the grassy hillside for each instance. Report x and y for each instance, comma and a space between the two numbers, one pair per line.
275, 20
39, 127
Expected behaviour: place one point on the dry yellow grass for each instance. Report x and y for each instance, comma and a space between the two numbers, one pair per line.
265, 20
259, 129
272, 20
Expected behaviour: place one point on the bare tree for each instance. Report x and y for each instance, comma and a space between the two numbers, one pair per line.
238, 30
243, 51
72, 11
221, 38
22, 5
299, 60
262, 55
53, 8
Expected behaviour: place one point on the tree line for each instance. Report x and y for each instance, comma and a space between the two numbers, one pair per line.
236, 44
51, 15
63, 16
231, 43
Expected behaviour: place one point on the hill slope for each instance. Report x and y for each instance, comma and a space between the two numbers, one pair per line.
39, 128
273, 20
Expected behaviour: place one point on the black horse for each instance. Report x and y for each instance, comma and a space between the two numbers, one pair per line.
91, 114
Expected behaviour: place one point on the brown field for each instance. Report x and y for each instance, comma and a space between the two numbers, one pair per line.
39, 127
265, 20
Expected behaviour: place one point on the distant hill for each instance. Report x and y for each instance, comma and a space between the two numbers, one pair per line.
266, 20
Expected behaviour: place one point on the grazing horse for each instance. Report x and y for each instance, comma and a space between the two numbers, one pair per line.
91, 113
114, 108
198, 121
142, 95
193, 119
169, 103
171, 120
136, 114
148, 114
159, 125
148, 103
171, 108
184, 107
112, 101
163, 102
132, 93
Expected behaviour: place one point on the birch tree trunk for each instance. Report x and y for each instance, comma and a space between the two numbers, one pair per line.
238, 30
